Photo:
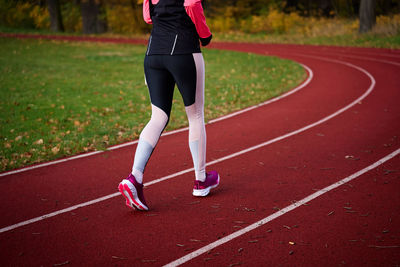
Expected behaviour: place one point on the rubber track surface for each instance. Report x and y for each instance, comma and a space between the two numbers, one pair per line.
356, 224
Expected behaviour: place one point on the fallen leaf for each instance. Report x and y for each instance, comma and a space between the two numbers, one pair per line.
61, 264
38, 142
250, 210
119, 258
55, 150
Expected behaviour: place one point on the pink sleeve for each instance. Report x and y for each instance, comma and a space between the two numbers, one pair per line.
195, 11
146, 11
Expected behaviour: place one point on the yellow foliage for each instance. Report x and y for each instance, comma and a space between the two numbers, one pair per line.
221, 24
292, 23
125, 19
17, 16
41, 17
119, 19
276, 21
387, 25
254, 24
328, 27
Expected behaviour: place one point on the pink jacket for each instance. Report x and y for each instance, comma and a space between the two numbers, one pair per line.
193, 8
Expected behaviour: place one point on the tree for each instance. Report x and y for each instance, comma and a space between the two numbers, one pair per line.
56, 24
93, 19
367, 15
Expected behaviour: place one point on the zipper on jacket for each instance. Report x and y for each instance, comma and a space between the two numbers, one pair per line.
148, 48
173, 47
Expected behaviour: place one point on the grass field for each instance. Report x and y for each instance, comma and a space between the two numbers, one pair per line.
61, 98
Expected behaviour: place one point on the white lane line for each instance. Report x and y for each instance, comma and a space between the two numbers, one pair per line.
368, 91
301, 86
372, 59
373, 54
359, 57
279, 213
49, 215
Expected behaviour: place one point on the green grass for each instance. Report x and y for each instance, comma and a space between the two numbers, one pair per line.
356, 40
64, 98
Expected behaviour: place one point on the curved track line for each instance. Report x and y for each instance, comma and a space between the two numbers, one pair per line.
366, 93
281, 212
362, 58
374, 54
299, 87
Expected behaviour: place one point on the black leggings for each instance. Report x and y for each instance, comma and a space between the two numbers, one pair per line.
162, 72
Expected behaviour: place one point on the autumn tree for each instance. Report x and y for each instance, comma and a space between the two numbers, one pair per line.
56, 24
367, 15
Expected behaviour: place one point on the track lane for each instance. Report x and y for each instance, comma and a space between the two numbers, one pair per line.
363, 254
358, 228
161, 199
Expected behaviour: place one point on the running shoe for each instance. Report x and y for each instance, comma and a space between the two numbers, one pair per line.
133, 193
201, 189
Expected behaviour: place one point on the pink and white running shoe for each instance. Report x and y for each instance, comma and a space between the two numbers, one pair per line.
133, 193
201, 189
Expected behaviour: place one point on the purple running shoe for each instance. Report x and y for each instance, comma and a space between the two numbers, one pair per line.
201, 189
133, 193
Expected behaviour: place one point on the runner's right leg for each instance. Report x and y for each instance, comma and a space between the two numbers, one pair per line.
161, 87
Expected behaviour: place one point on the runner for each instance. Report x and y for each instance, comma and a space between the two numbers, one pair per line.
173, 56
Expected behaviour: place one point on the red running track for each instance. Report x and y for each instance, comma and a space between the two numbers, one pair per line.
345, 119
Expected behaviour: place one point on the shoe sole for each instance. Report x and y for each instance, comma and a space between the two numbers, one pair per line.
204, 192
130, 194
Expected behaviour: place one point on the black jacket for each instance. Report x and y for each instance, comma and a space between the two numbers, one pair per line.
173, 31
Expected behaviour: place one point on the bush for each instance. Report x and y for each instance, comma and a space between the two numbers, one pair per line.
71, 16
278, 22
125, 19
387, 25
41, 17
16, 15
23, 15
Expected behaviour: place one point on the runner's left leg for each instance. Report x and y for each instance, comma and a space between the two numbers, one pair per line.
188, 72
